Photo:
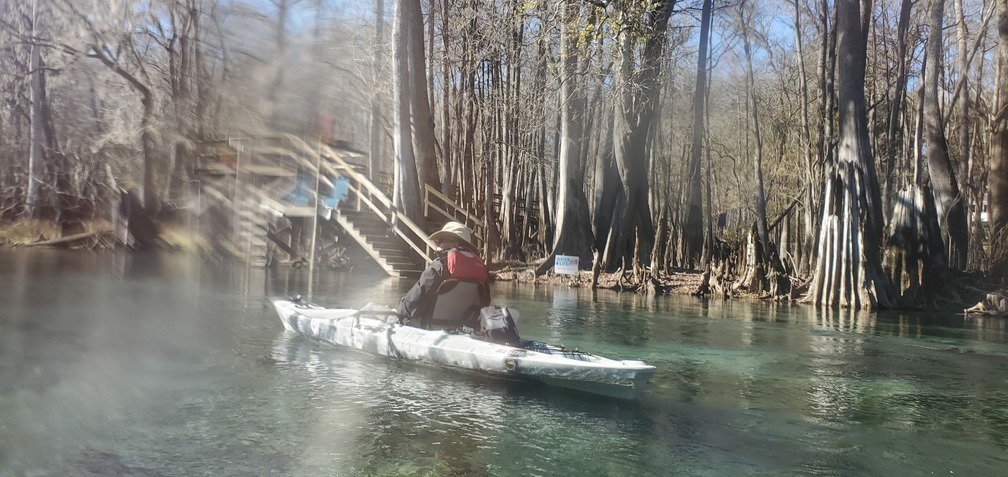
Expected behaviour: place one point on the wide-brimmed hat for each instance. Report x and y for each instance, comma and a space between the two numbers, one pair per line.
453, 230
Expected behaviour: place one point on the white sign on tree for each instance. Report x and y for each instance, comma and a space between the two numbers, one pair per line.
566, 265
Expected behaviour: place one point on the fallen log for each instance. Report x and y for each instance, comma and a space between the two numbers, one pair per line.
69, 238
994, 304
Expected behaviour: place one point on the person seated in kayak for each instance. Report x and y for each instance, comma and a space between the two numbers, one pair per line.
452, 289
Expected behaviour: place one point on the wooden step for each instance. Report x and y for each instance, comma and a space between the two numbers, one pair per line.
374, 232
400, 266
373, 224
386, 242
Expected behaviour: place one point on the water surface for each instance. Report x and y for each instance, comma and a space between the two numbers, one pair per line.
160, 365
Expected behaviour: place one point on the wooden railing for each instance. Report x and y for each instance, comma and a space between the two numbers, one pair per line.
435, 201
321, 161
369, 195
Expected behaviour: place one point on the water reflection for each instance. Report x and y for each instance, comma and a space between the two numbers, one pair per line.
336, 289
423, 419
119, 364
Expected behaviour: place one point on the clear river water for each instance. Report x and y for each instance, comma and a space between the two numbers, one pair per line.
160, 365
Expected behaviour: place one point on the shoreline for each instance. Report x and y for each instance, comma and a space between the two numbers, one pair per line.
988, 300
676, 283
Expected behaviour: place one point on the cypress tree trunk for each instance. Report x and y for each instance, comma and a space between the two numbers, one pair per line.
633, 231
811, 176
423, 119
848, 266
406, 192
573, 227
894, 136
693, 224
35, 152
374, 129
915, 257
948, 201
754, 278
998, 178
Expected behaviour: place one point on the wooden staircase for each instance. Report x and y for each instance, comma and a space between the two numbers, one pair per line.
250, 220
377, 238
399, 246
251, 225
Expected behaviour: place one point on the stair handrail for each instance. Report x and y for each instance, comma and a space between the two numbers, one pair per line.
477, 226
393, 219
405, 220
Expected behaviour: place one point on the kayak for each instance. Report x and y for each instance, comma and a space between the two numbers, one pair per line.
375, 329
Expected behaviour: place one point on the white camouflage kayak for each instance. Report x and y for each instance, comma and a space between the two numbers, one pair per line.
375, 329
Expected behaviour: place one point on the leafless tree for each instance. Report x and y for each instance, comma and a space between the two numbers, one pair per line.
573, 225
998, 179
848, 268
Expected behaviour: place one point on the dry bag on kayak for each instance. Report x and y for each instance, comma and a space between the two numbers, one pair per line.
497, 324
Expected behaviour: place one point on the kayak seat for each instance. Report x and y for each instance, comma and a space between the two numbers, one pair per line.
457, 304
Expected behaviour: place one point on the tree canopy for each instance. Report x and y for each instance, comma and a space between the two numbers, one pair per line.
642, 136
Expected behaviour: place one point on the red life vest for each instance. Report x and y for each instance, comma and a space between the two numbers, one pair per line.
467, 266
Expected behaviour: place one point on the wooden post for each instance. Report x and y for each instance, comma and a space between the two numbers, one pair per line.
235, 218
318, 173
